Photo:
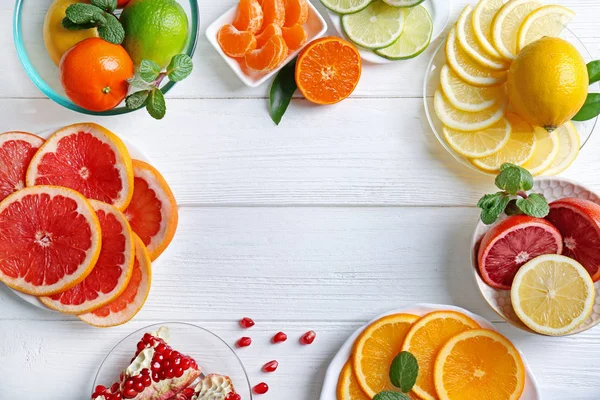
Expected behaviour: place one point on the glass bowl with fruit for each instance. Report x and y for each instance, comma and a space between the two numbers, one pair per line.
90, 56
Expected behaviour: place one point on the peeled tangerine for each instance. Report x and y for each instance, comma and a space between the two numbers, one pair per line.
269, 57
235, 43
548, 82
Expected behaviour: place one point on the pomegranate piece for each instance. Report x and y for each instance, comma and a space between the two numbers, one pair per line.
308, 338
279, 337
261, 388
186, 394
246, 323
244, 342
271, 366
216, 387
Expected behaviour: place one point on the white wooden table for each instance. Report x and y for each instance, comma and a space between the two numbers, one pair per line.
337, 215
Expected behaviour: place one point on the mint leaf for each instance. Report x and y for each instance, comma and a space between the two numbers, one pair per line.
535, 205
81, 13
111, 29
106, 5
492, 205
180, 67
72, 26
590, 109
593, 68
139, 83
137, 99
513, 179
404, 371
391, 396
155, 104
149, 70
282, 90
512, 208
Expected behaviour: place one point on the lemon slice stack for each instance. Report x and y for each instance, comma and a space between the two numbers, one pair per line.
471, 101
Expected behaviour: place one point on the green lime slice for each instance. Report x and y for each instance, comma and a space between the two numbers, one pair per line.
375, 27
403, 3
346, 6
415, 38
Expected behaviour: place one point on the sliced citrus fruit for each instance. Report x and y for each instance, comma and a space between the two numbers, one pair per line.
249, 16
415, 37
425, 339
552, 294
296, 12
152, 213
483, 16
479, 143
268, 57
468, 70
346, 6
479, 364
568, 149
348, 387
466, 121
235, 43
50, 240
403, 3
511, 243
375, 349
273, 12
265, 35
131, 301
466, 97
578, 221
507, 21
377, 26
88, 158
545, 21
112, 271
16, 151
517, 150
295, 36
328, 70
544, 152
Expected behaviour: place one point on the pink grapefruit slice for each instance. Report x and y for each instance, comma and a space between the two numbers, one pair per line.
511, 243
578, 221
87, 158
112, 272
152, 212
131, 301
16, 151
50, 240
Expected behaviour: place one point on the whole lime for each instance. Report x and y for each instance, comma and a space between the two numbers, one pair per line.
154, 30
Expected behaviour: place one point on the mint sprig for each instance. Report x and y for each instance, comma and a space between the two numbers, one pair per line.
391, 396
98, 14
404, 371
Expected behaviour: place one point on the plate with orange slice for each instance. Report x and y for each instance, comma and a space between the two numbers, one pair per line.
446, 341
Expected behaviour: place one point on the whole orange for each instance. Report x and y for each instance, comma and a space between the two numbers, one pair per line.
94, 74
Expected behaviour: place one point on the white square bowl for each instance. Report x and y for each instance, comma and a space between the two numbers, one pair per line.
315, 28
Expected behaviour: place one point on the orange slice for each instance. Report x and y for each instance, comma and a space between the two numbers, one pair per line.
426, 338
131, 301
295, 36
16, 151
348, 387
270, 30
249, 16
235, 43
50, 240
274, 12
296, 12
268, 57
112, 272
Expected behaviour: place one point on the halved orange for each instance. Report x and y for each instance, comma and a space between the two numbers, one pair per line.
50, 240
235, 43
269, 56
296, 12
295, 36
426, 338
273, 12
16, 151
348, 387
270, 30
249, 16
479, 364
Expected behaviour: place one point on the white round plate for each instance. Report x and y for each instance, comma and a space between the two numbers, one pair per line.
136, 153
552, 188
439, 10
531, 391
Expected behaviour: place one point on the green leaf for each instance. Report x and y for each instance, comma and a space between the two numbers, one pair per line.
282, 90
492, 205
590, 109
149, 70
137, 99
593, 68
72, 26
139, 83
111, 30
180, 67
512, 209
156, 104
391, 396
81, 13
404, 371
513, 178
535, 205
106, 5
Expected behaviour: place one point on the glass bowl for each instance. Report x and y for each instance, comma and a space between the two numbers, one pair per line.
28, 23
432, 83
211, 353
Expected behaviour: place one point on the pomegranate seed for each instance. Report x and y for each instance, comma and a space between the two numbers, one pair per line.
246, 323
147, 381
176, 360
155, 366
188, 391
147, 338
139, 387
233, 396
128, 383
160, 348
116, 396
185, 363
167, 353
308, 338
244, 342
155, 377
129, 393
271, 366
279, 337
261, 388
158, 357
115, 387
99, 390
141, 346
178, 372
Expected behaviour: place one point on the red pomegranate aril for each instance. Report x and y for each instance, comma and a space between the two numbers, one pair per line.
115, 387
146, 380
167, 353
158, 357
308, 338
279, 337
155, 366
100, 389
141, 346
271, 366
261, 388
128, 383
178, 372
160, 348
155, 377
146, 372
129, 393
244, 342
139, 386
185, 363
246, 323
176, 360
233, 396
147, 338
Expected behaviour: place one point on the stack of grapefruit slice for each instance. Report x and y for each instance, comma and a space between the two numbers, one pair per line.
81, 222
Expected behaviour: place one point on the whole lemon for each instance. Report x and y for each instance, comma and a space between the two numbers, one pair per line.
548, 82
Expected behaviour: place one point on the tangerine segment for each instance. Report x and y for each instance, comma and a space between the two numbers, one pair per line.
112, 272
296, 12
268, 57
348, 387
131, 301
274, 12
295, 36
479, 364
50, 240
249, 16
235, 43
328, 70
16, 151
266, 34
426, 338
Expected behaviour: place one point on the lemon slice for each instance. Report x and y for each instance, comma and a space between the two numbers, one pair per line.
544, 153
466, 121
346, 6
568, 149
466, 97
468, 42
479, 143
483, 16
552, 294
467, 69
507, 21
415, 37
375, 27
517, 150
545, 21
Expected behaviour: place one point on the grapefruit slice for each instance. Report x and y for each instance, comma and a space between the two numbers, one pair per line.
112, 272
131, 301
87, 158
16, 151
511, 243
578, 221
50, 240
152, 213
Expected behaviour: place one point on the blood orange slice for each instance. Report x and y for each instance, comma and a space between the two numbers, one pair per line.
578, 221
87, 158
152, 212
112, 272
16, 151
511, 243
131, 301
50, 240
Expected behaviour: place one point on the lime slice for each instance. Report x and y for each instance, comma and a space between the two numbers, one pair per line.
403, 3
415, 38
346, 6
375, 27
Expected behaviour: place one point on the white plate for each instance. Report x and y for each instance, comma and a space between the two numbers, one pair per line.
439, 10
531, 391
136, 153
315, 28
